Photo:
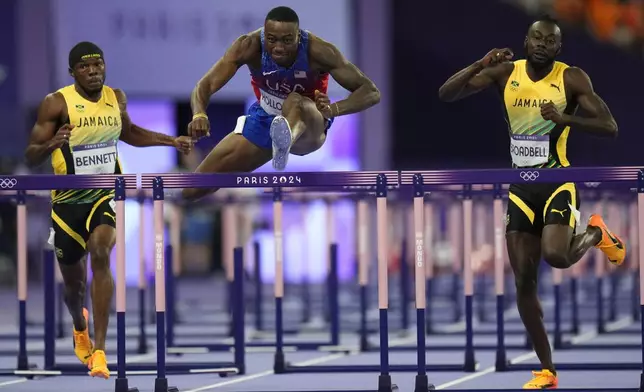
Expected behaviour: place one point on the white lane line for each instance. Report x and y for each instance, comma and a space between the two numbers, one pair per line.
12, 382
614, 326
310, 362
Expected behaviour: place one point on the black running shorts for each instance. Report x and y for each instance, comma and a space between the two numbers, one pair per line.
532, 206
73, 224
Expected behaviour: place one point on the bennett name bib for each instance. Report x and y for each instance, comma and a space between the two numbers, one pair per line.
529, 150
271, 103
98, 158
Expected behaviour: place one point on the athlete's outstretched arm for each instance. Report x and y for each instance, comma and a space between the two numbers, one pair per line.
239, 53
43, 140
364, 93
601, 122
136, 136
478, 76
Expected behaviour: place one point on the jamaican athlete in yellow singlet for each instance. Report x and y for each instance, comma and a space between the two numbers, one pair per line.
538, 143
92, 144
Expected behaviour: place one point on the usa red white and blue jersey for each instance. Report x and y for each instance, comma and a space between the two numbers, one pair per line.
272, 83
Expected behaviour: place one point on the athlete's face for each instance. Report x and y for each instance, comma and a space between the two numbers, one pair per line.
90, 74
542, 44
281, 40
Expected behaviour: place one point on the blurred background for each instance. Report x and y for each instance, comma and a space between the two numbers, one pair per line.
156, 50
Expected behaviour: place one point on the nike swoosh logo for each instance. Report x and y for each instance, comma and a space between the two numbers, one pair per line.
268, 73
617, 242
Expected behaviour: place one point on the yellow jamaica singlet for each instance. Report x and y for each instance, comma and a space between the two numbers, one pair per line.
535, 142
92, 143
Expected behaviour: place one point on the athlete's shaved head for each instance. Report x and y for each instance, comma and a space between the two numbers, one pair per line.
282, 35
543, 42
283, 14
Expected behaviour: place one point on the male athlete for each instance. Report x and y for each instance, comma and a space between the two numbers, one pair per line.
289, 70
79, 126
541, 96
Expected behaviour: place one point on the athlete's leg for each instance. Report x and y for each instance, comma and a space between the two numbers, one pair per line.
101, 243
561, 248
523, 228
524, 250
300, 129
234, 153
69, 243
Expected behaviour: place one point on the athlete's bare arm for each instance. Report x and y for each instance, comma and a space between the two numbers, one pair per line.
580, 87
326, 57
245, 49
492, 69
136, 136
44, 137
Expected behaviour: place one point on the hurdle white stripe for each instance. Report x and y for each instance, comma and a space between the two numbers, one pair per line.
159, 256
499, 266
176, 218
363, 242
278, 233
383, 256
429, 241
467, 248
419, 251
142, 248
615, 326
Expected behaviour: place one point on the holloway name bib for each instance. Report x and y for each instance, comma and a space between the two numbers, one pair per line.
98, 158
529, 150
271, 104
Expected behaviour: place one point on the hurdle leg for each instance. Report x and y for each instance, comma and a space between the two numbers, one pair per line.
121, 384
363, 270
384, 379
333, 304
60, 305
640, 240
470, 362
455, 233
23, 360
499, 278
279, 362
50, 308
229, 242
143, 344
421, 382
429, 264
161, 382
305, 284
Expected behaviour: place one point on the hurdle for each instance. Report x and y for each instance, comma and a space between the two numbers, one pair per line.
624, 178
331, 345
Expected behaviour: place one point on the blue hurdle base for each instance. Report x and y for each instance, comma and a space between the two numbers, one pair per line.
121, 385
288, 368
179, 349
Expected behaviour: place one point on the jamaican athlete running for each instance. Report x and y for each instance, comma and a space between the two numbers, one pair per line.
79, 126
541, 96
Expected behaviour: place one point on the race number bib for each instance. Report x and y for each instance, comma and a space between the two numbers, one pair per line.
98, 158
529, 150
271, 103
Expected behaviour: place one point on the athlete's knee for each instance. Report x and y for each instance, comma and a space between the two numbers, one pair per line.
556, 258
294, 102
100, 258
526, 283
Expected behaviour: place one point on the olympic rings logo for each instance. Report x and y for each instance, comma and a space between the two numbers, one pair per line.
529, 175
8, 183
